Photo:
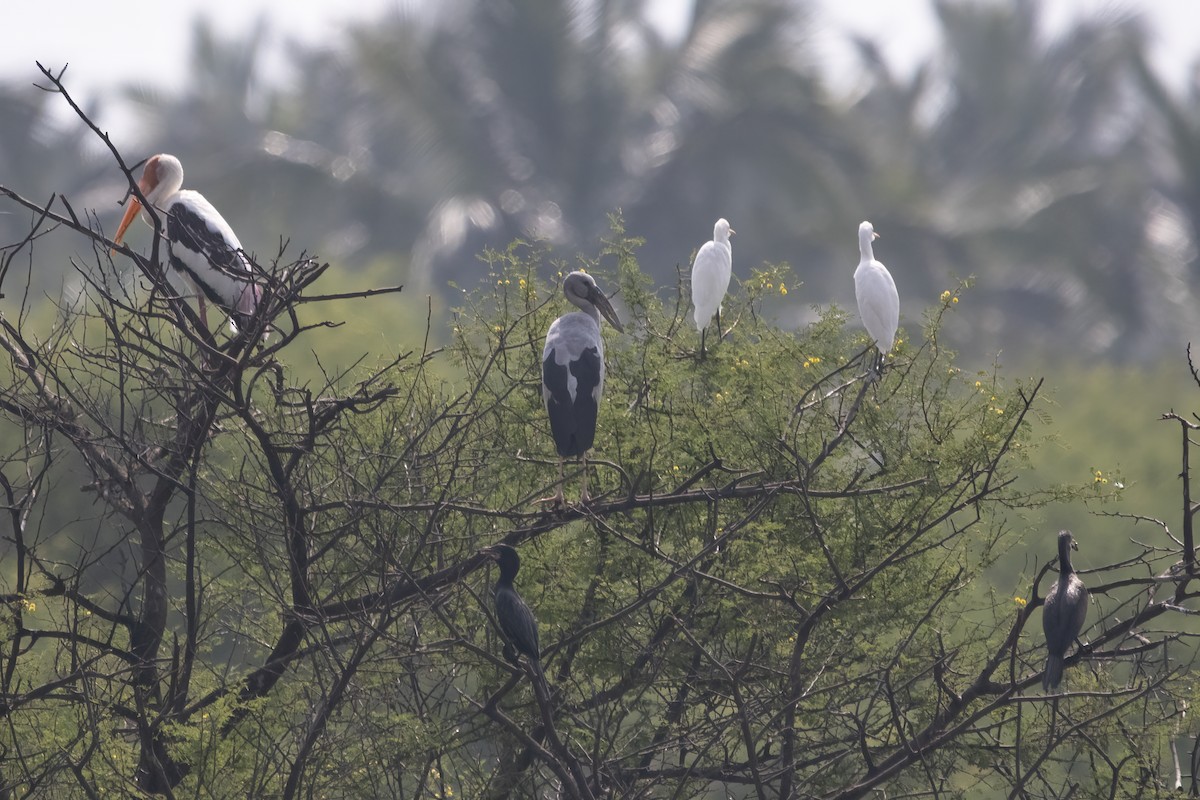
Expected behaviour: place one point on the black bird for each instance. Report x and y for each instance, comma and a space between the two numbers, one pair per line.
1063, 613
573, 372
515, 618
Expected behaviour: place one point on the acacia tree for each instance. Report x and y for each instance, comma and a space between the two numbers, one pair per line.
776, 591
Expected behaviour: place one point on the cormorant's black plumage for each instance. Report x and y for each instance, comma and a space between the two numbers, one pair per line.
1064, 611
516, 620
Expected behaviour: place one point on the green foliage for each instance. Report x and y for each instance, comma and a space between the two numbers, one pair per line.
778, 581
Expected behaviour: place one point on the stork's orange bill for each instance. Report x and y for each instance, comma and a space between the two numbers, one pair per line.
133, 205
131, 211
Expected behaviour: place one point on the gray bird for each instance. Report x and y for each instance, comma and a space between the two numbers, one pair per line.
1063, 612
573, 372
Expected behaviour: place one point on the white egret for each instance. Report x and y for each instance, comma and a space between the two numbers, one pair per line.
1063, 613
878, 300
710, 278
573, 372
204, 256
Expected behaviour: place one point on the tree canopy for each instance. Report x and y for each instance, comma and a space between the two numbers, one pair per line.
776, 591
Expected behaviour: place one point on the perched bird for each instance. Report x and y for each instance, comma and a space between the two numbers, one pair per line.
573, 372
1063, 612
710, 278
204, 256
878, 300
516, 620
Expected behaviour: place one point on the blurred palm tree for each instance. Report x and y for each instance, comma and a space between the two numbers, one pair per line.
40, 159
536, 118
1020, 160
413, 141
1174, 156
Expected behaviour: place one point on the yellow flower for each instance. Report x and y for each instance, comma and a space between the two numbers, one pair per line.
521, 283
945, 296
782, 289
954, 300
1021, 601
675, 468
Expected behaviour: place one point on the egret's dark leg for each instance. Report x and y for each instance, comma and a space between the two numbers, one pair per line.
702, 332
720, 333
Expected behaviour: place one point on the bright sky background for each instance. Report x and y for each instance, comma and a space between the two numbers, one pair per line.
147, 41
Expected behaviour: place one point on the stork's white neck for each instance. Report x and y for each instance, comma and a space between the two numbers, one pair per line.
166, 181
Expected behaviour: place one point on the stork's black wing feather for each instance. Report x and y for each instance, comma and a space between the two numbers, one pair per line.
189, 233
572, 419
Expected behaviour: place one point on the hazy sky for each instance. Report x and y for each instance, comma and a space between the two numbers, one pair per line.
147, 41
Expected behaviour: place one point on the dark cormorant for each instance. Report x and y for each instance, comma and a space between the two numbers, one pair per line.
573, 372
1063, 613
515, 618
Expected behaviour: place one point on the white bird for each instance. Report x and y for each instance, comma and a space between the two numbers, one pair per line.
710, 278
204, 256
573, 372
878, 300
1064, 612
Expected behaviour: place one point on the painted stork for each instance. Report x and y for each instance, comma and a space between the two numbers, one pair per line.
573, 372
1063, 613
204, 255
710, 278
517, 622
878, 300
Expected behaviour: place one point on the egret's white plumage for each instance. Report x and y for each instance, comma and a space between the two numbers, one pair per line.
573, 371
204, 257
878, 300
711, 271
